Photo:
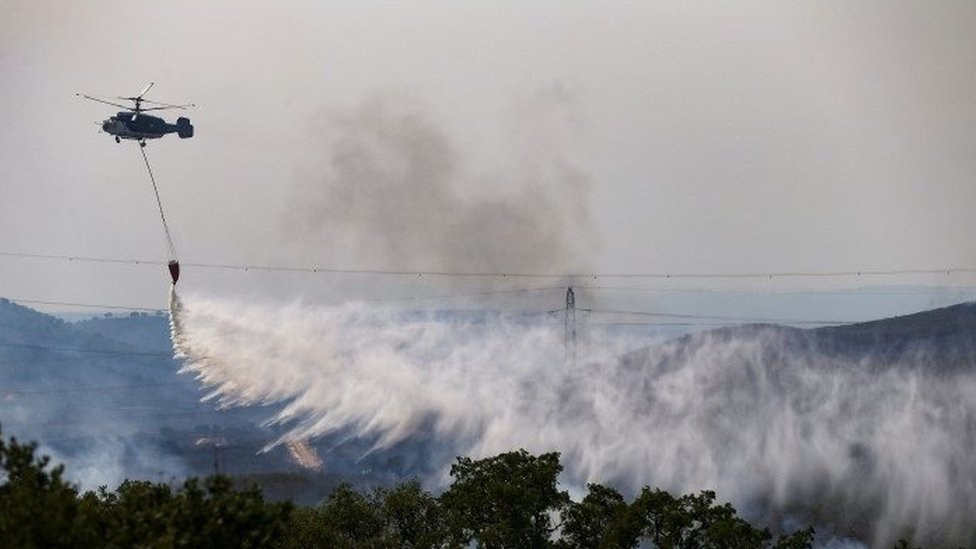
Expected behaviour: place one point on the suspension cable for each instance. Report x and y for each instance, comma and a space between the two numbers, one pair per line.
159, 203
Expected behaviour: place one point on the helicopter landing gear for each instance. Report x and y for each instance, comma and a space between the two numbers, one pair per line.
117, 140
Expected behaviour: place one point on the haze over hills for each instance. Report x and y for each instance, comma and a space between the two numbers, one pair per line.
104, 397
875, 418
945, 336
871, 417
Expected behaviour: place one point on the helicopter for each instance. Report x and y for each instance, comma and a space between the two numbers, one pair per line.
133, 124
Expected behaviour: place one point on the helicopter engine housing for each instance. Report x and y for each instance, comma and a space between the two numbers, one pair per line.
183, 127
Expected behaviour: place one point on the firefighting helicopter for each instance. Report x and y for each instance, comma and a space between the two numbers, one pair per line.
133, 123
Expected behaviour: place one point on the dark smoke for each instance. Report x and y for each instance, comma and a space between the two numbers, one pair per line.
396, 193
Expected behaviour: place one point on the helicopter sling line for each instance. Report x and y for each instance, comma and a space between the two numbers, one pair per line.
174, 263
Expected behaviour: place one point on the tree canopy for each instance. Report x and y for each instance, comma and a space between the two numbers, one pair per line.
511, 500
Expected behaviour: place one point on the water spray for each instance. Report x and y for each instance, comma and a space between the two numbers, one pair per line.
751, 414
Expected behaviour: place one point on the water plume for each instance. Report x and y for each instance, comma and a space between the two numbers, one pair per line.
780, 429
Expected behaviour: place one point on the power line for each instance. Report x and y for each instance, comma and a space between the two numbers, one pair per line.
718, 317
861, 291
700, 317
85, 350
109, 388
90, 305
483, 293
87, 259
665, 324
704, 323
948, 271
480, 293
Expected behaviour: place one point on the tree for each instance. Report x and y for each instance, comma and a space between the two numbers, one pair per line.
38, 508
207, 514
506, 501
696, 521
602, 520
413, 517
351, 519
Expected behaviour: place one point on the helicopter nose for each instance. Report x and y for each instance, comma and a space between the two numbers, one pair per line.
107, 125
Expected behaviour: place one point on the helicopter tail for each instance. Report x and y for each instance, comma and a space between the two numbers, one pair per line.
183, 128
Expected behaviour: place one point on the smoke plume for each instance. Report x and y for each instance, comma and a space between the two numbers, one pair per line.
397, 193
873, 450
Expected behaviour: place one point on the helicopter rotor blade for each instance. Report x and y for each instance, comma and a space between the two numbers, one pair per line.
137, 98
103, 101
160, 108
168, 105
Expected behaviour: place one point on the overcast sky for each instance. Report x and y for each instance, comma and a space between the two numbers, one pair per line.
545, 135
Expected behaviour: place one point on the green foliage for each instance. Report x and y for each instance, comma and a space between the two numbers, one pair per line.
694, 521
602, 520
38, 508
413, 517
144, 514
352, 519
405, 516
508, 501
504, 501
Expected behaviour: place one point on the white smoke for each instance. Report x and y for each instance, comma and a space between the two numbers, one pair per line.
874, 451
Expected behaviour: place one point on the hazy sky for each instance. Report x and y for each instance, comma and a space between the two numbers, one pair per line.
610, 136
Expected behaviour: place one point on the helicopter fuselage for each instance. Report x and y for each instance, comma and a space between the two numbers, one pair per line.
140, 126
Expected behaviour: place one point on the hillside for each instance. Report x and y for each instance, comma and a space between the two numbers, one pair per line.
945, 336
859, 427
105, 395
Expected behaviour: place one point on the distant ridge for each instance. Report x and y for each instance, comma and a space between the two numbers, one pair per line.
944, 336
947, 335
